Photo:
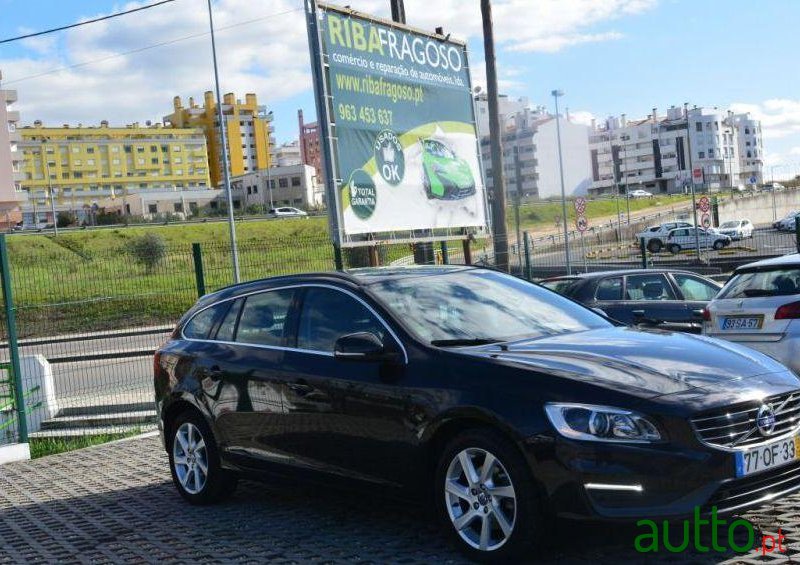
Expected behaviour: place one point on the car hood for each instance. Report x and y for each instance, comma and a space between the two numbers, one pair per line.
457, 170
645, 363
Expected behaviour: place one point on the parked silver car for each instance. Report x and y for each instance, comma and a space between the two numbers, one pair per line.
685, 238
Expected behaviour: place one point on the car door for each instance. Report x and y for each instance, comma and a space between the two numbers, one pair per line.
696, 293
247, 377
650, 299
345, 417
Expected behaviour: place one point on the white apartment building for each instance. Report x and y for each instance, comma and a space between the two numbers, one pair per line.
530, 147
506, 108
10, 162
662, 153
288, 154
294, 185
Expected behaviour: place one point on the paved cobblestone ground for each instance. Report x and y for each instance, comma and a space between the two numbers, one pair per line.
116, 503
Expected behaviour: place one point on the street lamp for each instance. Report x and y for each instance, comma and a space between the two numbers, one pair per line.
269, 165
556, 94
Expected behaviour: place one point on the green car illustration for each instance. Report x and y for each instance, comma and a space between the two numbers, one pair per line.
445, 175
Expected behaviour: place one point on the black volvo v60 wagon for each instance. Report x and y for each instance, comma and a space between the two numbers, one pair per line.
504, 401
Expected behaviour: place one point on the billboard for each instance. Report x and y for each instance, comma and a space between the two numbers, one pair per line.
401, 135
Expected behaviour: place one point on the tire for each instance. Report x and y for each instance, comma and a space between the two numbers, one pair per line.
191, 440
654, 245
674, 248
718, 245
515, 516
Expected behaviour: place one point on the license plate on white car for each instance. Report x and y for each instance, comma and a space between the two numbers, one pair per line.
741, 322
769, 456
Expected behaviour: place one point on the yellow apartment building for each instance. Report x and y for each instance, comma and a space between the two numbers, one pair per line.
83, 164
248, 131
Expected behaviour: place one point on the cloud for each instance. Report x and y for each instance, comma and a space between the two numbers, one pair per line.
262, 47
581, 117
780, 117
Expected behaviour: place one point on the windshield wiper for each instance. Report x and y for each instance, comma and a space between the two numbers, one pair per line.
464, 341
752, 292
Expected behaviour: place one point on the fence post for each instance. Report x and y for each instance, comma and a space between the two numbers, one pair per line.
199, 272
797, 231
643, 250
527, 244
445, 255
337, 257
467, 251
13, 345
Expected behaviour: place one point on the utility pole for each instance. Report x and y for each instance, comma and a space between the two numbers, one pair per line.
398, 11
224, 148
50, 194
556, 94
691, 182
499, 228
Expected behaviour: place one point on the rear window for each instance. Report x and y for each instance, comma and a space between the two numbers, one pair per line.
775, 282
561, 286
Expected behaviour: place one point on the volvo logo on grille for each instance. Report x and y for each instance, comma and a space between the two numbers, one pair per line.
766, 420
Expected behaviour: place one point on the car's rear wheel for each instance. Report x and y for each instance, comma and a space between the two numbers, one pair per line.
654, 246
194, 461
719, 244
486, 497
674, 248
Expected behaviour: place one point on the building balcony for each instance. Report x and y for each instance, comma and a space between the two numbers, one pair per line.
10, 96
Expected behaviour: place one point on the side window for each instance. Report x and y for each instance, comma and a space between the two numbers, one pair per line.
648, 287
694, 288
201, 324
609, 289
329, 314
228, 326
263, 318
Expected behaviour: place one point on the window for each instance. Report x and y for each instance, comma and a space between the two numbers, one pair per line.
140, 149
648, 287
329, 314
153, 148
77, 175
200, 325
695, 288
781, 281
154, 161
90, 149
747, 131
76, 149
702, 154
64, 175
295, 181
152, 208
227, 328
264, 318
88, 162
698, 126
128, 149
115, 161
710, 153
609, 289
178, 206
164, 148
140, 161
283, 183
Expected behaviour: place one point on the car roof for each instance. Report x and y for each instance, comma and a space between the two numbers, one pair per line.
620, 273
793, 259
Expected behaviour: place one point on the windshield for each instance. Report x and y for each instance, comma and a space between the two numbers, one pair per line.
481, 305
438, 149
561, 286
730, 225
778, 282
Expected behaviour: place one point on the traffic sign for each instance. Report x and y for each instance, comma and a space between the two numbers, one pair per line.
582, 223
580, 206
753, 180
704, 204
706, 221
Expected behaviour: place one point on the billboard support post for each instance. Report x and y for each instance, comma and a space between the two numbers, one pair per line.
499, 228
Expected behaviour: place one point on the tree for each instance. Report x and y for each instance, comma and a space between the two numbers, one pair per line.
65, 219
148, 250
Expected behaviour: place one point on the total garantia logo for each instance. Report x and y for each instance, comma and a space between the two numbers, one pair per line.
738, 535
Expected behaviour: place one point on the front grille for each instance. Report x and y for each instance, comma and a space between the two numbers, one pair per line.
757, 489
735, 426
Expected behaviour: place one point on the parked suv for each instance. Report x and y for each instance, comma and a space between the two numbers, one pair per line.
655, 237
760, 307
685, 238
736, 229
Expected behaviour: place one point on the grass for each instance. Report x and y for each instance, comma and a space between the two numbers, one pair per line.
42, 447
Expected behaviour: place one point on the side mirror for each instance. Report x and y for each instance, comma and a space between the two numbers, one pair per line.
361, 346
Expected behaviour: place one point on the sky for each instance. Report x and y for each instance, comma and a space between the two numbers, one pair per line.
608, 56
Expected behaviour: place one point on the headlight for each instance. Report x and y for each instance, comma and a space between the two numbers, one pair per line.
601, 423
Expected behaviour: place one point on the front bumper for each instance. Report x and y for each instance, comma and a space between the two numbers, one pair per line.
628, 482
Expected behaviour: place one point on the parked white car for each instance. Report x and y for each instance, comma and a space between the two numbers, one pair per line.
736, 229
655, 237
286, 212
760, 307
639, 193
685, 238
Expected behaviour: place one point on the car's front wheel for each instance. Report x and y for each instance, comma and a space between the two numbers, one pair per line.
719, 244
194, 461
486, 498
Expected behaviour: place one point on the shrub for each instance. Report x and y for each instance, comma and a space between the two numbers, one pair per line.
148, 250
65, 219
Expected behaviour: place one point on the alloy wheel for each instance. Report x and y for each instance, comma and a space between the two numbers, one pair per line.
190, 458
480, 499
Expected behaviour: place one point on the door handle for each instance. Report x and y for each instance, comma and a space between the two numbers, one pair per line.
301, 388
638, 313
